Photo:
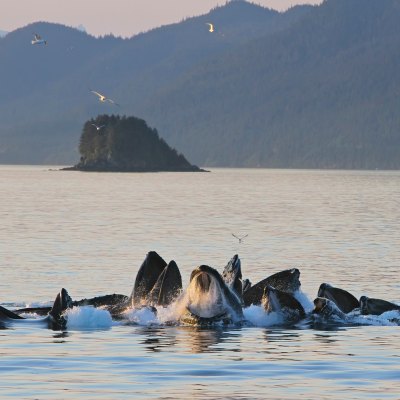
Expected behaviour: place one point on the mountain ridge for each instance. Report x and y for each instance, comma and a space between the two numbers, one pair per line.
309, 88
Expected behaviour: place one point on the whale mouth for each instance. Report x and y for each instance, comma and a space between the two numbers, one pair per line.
205, 296
192, 318
320, 305
203, 282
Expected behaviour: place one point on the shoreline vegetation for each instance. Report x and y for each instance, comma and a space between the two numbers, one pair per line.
126, 144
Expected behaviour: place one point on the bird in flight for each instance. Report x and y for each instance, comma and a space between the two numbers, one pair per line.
37, 39
240, 238
98, 127
211, 27
103, 98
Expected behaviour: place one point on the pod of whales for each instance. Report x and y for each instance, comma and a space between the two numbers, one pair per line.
211, 298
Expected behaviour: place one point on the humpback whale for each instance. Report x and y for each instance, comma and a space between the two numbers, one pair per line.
232, 276
284, 303
376, 306
157, 283
285, 281
208, 300
343, 299
54, 319
327, 309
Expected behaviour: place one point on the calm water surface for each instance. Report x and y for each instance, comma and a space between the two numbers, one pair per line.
90, 232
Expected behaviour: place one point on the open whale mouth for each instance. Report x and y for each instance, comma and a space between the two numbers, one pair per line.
205, 297
203, 282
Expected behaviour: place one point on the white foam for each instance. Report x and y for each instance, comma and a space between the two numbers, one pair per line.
302, 298
172, 313
389, 318
142, 316
257, 316
88, 318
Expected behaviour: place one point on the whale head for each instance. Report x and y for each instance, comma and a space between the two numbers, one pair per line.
209, 300
232, 275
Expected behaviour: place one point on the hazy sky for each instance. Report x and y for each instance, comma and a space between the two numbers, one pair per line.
120, 17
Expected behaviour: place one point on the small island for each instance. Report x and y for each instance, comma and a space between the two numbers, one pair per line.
111, 143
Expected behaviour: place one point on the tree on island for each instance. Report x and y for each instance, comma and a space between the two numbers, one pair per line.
115, 143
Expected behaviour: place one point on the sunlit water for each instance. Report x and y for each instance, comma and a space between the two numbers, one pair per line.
90, 232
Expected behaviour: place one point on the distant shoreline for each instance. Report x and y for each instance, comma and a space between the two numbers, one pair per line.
94, 169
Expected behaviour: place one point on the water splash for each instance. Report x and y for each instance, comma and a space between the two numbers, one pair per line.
307, 304
141, 316
88, 318
257, 316
389, 318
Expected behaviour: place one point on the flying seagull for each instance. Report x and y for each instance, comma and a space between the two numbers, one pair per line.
240, 238
211, 27
98, 127
37, 39
103, 98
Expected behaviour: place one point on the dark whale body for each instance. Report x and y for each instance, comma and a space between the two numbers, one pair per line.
157, 283
286, 304
110, 302
285, 281
54, 319
376, 306
343, 299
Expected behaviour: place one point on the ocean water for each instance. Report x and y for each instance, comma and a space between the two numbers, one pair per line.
90, 232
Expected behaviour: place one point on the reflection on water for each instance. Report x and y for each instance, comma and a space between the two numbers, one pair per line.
157, 338
206, 340
59, 337
189, 339
90, 233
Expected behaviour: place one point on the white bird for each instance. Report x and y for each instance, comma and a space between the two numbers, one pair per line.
240, 238
98, 127
38, 39
211, 27
103, 98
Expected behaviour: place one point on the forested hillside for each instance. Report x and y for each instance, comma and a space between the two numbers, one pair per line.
314, 87
323, 93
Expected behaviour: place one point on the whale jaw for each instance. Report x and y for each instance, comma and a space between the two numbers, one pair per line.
56, 318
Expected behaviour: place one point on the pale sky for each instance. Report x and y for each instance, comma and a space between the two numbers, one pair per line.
119, 17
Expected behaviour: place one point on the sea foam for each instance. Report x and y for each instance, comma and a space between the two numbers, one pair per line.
88, 318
